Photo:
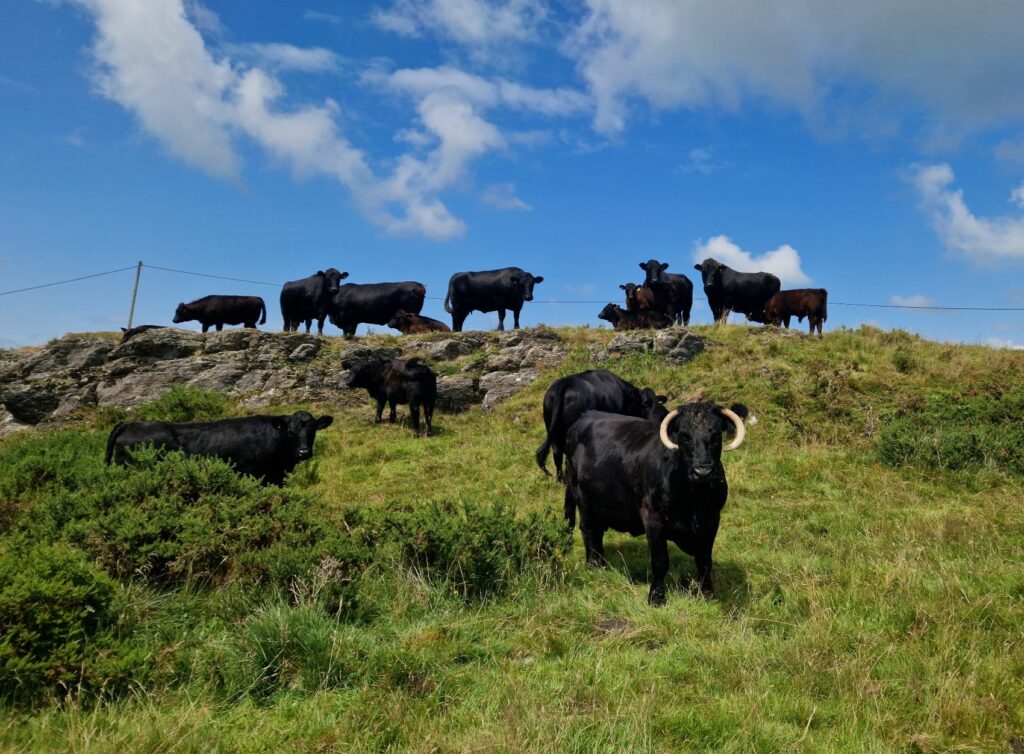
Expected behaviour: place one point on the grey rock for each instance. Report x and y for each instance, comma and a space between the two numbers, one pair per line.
354, 353
29, 403
677, 345
156, 345
304, 352
9, 425
455, 393
500, 386
230, 340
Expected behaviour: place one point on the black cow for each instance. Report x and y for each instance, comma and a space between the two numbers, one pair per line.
799, 302
673, 293
728, 290
267, 447
395, 381
411, 324
667, 482
310, 298
374, 303
568, 398
127, 333
223, 310
488, 291
621, 319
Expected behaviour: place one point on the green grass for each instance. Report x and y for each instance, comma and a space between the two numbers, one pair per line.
867, 603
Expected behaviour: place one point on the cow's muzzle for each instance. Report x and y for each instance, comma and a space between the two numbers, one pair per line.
303, 453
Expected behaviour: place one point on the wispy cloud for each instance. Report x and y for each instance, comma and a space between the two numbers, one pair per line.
995, 342
286, 57
478, 23
783, 262
315, 15
702, 160
503, 196
916, 300
21, 86
960, 230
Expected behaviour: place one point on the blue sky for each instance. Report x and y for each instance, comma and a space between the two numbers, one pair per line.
876, 150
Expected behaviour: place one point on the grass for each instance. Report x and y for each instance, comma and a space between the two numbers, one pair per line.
863, 606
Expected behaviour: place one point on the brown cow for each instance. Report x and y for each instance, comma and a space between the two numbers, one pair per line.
415, 323
800, 302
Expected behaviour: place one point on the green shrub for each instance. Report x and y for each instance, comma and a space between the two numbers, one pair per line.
954, 434
57, 615
476, 550
185, 404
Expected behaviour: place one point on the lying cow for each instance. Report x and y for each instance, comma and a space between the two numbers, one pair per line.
309, 298
395, 381
374, 303
127, 333
667, 482
800, 302
568, 398
266, 447
621, 319
411, 324
731, 291
673, 294
488, 291
223, 310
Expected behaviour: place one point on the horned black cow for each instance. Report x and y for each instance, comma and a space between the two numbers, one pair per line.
799, 302
267, 447
410, 324
374, 303
488, 291
568, 398
728, 290
395, 381
667, 482
309, 298
673, 294
127, 333
223, 310
621, 319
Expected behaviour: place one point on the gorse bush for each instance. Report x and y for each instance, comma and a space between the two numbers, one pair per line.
955, 434
185, 404
58, 613
476, 550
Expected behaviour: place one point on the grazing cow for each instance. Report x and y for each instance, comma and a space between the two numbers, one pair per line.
492, 290
728, 290
568, 398
223, 310
397, 381
127, 333
621, 319
374, 303
673, 294
410, 324
799, 302
267, 447
310, 298
667, 482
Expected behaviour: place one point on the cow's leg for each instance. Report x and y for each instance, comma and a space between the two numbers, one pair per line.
205, 327
501, 319
686, 318
515, 318
658, 546
414, 417
428, 415
380, 411
220, 326
319, 325
593, 542
704, 564
251, 325
458, 319
556, 455
309, 324
392, 414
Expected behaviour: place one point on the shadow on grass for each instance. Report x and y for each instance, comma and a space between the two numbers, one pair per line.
631, 556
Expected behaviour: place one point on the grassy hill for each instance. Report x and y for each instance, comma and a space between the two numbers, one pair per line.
418, 594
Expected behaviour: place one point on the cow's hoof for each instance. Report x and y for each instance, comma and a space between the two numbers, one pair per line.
656, 598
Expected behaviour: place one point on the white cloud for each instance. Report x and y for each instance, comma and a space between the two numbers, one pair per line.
478, 23
1004, 343
959, 62
783, 262
153, 61
702, 160
959, 229
315, 15
916, 300
1017, 196
1010, 151
503, 196
286, 57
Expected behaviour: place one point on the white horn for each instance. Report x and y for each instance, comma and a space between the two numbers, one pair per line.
741, 431
664, 430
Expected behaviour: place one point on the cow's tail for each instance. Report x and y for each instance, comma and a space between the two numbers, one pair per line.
448, 298
112, 441
569, 504
263, 310
824, 304
556, 419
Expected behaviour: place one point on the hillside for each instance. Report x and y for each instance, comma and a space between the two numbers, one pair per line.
410, 594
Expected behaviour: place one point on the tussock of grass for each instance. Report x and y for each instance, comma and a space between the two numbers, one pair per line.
867, 602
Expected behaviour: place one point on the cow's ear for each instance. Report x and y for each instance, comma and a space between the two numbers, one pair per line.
324, 421
279, 423
538, 279
343, 276
698, 267
662, 398
320, 273
124, 329
623, 287
740, 410
643, 266
664, 266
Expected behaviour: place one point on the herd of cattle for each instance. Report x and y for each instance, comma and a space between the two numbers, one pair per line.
663, 299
